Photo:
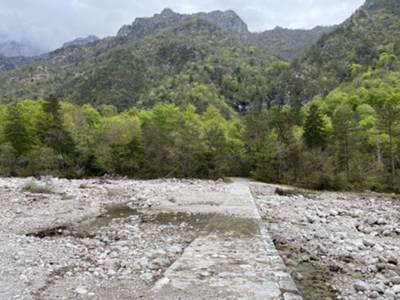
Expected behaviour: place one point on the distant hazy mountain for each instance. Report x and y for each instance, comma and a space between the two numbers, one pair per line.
13, 49
82, 41
289, 44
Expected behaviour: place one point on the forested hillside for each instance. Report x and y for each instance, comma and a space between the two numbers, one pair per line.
352, 47
200, 59
193, 96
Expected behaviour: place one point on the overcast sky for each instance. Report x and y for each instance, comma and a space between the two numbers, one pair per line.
52, 22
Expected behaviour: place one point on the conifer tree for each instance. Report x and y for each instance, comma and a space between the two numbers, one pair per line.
314, 129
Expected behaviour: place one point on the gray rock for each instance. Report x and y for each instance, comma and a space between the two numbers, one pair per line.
81, 290
290, 296
311, 219
175, 249
391, 259
396, 289
371, 221
394, 280
148, 277
381, 221
361, 286
368, 243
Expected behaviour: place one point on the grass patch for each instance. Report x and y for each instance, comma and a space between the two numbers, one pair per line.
35, 187
290, 192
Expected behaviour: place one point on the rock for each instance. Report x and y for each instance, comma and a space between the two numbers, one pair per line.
387, 233
290, 296
373, 295
298, 276
361, 286
148, 277
204, 274
287, 285
356, 213
380, 288
311, 219
378, 248
333, 213
111, 272
380, 267
371, 221
175, 249
81, 290
392, 260
394, 280
368, 243
381, 221
396, 289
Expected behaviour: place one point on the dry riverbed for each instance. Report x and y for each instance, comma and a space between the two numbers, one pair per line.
90, 239
337, 245
112, 239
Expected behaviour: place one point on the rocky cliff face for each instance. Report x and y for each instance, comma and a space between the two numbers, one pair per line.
82, 41
226, 20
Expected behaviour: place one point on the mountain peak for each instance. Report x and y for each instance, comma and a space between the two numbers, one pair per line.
167, 12
81, 41
226, 20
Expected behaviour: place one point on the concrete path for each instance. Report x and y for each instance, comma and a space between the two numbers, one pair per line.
234, 258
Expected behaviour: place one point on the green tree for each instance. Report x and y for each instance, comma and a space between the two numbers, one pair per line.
315, 135
15, 131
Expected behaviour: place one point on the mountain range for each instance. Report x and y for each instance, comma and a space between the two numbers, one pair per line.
205, 58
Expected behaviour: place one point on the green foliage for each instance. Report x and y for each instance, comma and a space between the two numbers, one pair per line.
368, 39
314, 129
349, 139
63, 139
16, 132
191, 62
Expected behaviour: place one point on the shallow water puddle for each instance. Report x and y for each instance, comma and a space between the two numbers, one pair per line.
313, 282
112, 212
207, 223
89, 228
313, 285
241, 227
198, 221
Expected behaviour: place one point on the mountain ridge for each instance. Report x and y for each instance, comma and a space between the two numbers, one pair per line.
150, 59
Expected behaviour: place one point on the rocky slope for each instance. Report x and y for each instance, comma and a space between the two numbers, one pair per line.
10, 63
226, 20
289, 44
81, 41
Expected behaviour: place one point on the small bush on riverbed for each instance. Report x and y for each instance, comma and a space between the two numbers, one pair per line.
37, 188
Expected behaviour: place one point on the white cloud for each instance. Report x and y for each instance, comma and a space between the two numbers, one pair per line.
52, 22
